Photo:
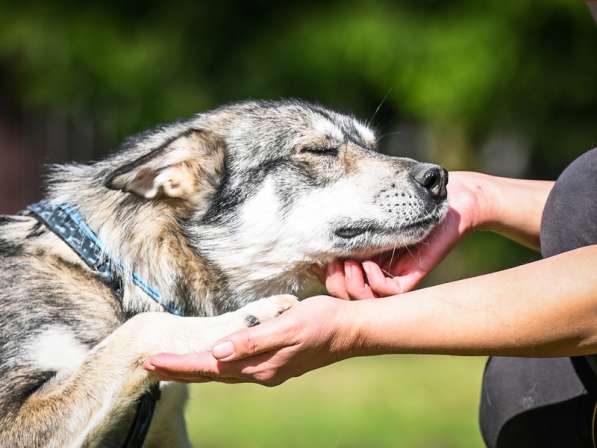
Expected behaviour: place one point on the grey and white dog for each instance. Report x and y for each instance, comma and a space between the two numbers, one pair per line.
216, 212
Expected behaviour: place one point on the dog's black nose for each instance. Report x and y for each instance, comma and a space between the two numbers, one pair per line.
433, 178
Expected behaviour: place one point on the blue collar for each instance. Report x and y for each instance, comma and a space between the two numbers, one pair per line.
66, 222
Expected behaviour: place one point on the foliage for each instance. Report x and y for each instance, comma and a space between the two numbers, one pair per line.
473, 66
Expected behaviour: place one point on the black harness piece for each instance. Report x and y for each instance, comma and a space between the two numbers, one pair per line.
68, 224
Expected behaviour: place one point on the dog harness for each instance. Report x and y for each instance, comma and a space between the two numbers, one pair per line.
68, 224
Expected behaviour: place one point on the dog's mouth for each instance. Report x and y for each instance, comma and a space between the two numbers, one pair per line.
366, 238
350, 232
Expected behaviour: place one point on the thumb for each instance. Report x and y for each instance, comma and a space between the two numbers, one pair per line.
252, 341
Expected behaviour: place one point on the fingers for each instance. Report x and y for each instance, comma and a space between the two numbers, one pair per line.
189, 368
347, 281
335, 282
203, 367
355, 281
226, 362
195, 363
378, 282
246, 343
197, 379
268, 336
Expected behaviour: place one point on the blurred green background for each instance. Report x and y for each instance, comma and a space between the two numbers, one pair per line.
502, 86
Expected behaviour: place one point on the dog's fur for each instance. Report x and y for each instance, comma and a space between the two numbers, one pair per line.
216, 212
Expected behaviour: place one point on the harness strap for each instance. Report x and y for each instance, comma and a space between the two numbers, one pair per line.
143, 416
68, 224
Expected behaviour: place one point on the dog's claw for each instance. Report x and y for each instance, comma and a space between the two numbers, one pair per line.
268, 308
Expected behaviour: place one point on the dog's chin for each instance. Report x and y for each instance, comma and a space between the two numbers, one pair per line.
365, 241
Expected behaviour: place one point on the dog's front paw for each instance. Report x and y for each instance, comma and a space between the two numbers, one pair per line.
264, 309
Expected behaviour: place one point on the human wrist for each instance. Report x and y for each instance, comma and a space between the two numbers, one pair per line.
360, 334
350, 334
490, 205
482, 199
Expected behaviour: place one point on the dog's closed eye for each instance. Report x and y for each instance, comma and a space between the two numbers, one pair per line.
320, 150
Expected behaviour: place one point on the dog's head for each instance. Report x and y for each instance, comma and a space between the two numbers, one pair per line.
266, 189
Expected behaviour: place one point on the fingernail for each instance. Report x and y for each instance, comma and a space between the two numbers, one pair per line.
366, 267
223, 350
350, 270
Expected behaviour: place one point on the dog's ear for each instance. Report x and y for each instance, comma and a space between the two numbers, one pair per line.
187, 167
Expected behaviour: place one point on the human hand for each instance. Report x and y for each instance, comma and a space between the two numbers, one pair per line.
314, 333
398, 272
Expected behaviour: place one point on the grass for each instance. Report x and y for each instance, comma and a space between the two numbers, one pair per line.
389, 401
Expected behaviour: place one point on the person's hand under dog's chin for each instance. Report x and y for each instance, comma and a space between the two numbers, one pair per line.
400, 271
394, 272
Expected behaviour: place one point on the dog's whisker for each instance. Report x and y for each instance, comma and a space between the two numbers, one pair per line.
383, 100
387, 134
392, 259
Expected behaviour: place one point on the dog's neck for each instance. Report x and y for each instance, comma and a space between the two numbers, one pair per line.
146, 237
257, 267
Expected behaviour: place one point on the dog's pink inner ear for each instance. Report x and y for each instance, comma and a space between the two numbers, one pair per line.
185, 169
176, 181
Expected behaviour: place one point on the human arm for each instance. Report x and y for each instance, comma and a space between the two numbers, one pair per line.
511, 207
545, 308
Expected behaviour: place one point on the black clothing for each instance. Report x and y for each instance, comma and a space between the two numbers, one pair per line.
549, 402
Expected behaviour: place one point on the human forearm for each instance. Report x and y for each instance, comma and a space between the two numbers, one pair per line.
546, 308
511, 207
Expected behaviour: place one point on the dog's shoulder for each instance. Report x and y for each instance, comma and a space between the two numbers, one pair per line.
52, 309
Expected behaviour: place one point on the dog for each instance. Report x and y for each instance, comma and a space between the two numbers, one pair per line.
220, 213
